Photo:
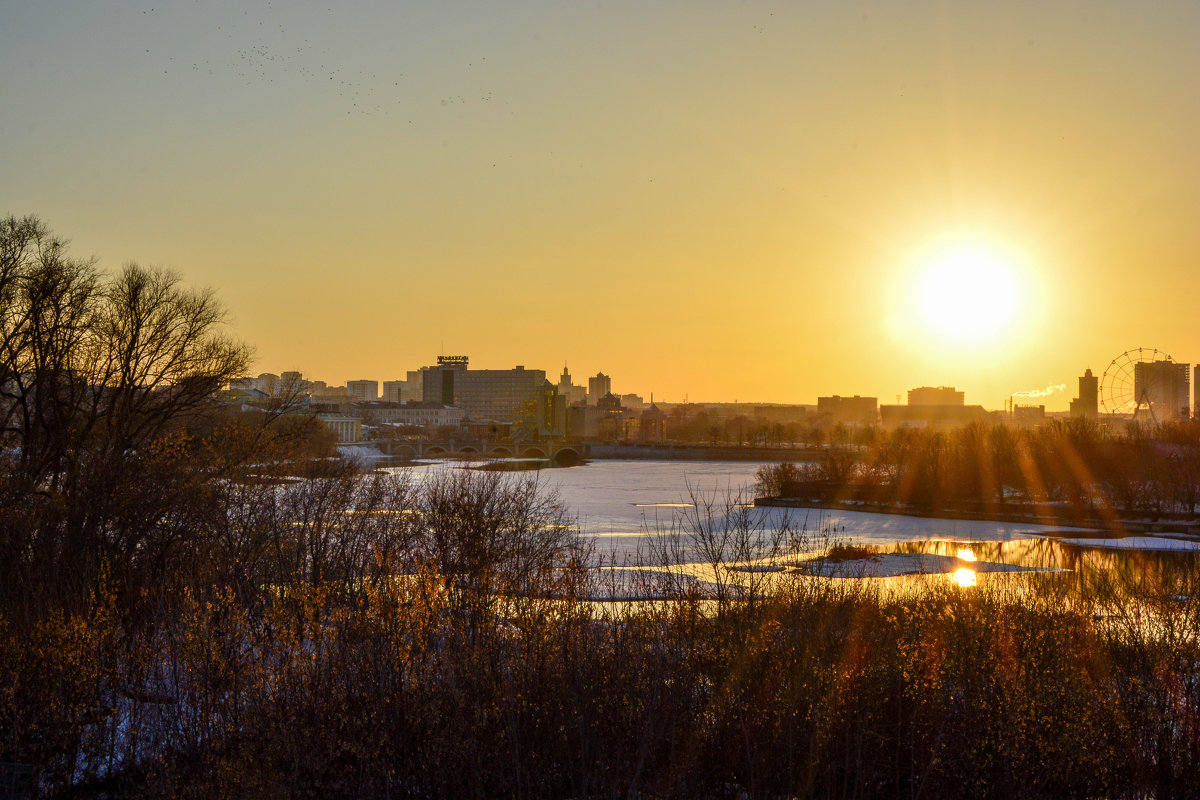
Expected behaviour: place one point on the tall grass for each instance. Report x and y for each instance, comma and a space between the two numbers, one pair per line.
403, 682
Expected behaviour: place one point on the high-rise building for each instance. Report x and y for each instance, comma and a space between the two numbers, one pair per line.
398, 392
416, 384
1088, 402
493, 394
935, 396
1162, 389
598, 387
362, 391
571, 394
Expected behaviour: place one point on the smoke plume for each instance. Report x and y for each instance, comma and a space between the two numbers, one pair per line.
1049, 390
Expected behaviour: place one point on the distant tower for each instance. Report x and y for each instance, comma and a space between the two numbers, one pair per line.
1088, 402
598, 387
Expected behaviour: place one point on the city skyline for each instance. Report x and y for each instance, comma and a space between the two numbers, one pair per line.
1129, 389
760, 202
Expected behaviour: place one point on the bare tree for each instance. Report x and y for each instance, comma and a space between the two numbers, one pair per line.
95, 371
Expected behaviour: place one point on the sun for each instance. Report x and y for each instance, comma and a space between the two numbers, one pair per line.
967, 289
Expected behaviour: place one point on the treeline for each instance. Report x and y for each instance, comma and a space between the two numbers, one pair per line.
695, 424
1087, 469
202, 604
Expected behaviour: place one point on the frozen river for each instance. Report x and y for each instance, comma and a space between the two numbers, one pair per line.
621, 503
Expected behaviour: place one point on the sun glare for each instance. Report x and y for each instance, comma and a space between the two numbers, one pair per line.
964, 577
967, 290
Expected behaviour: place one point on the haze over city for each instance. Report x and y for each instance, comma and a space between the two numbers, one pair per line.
764, 202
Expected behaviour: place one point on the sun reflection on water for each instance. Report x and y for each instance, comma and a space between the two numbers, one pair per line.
966, 554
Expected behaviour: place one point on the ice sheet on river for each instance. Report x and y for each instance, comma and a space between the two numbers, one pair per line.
1136, 543
820, 527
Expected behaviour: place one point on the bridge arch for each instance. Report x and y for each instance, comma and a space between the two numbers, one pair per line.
533, 452
567, 457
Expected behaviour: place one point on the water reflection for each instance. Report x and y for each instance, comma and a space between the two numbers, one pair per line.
1067, 568
965, 577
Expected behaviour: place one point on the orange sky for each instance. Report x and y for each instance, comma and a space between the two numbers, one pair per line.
718, 201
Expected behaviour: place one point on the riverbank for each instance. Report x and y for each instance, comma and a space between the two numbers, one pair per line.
696, 452
1044, 515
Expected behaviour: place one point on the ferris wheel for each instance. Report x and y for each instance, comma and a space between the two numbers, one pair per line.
1119, 387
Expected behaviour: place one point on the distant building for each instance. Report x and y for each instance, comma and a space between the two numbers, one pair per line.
1162, 389
266, 382
571, 394
598, 387
1088, 402
935, 396
652, 425
493, 394
633, 400
396, 392
347, 429
416, 385
606, 419
290, 385
1196, 389
1029, 415
849, 410
929, 407
423, 415
321, 393
363, 391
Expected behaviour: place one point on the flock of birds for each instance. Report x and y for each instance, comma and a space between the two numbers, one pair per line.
258, 54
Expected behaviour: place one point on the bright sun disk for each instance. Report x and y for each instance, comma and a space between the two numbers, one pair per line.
968, 291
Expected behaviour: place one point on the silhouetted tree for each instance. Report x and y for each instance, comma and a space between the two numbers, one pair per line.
95, 372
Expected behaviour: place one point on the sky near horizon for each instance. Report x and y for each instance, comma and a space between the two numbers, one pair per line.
717, 201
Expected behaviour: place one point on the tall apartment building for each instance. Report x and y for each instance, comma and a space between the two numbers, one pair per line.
494, 394
1162, 388
598, 387
400, 392
1088, 402
362, 391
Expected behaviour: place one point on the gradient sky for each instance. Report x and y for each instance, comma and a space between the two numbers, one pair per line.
713, 200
